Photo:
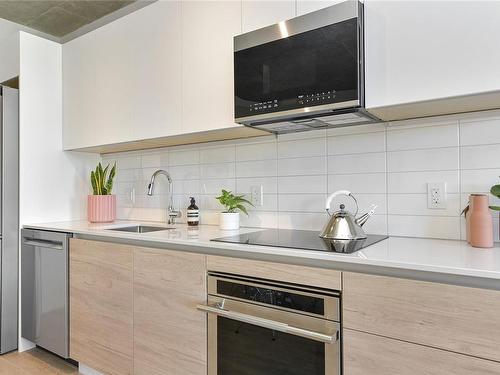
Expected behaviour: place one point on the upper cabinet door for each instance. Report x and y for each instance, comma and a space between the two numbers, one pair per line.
307, 6
122, 82
208, 28
426, 50
257, 14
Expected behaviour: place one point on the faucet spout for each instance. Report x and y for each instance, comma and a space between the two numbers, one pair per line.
171, 213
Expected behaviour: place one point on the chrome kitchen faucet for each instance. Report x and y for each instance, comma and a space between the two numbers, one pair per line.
171, 213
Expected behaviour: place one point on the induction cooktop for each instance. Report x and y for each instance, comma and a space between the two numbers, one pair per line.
301, 239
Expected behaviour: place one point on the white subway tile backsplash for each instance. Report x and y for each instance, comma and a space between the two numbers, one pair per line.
259, 220
418, 138
302, 202
479, 180
358, 183
260, 168
219, 170
423, 160
154, 159
416, 182
215, 186
302, 166
184, 157
416, 204
388, 165
356, 143
302, 220
128, 162
446, 227
474, 132
356, 163
377, 224
360, 129
217, 155
485, 156
256, 151
189, 187
302, 148
269, 184
302, 184
184, 172
320, 133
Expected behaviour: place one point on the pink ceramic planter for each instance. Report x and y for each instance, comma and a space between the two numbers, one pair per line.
101, 208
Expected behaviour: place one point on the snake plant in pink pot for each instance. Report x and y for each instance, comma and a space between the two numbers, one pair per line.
101, 206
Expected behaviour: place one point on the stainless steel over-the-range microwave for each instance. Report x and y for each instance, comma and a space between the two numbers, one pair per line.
304, 73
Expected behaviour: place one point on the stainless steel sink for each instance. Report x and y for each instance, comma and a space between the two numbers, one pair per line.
140, 228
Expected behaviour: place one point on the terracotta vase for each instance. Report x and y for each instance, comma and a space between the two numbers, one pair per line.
480, 221
101, 208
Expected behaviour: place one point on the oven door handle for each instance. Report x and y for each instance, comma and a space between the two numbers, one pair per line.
270, 324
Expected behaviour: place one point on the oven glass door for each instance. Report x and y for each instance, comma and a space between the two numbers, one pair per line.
317, 67
246, 349
242, 348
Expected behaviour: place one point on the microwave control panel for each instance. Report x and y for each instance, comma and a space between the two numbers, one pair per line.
317, 98
264, 106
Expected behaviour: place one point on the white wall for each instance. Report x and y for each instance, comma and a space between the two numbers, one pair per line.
53, 183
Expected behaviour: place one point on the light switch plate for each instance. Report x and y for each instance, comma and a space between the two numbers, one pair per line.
436, 195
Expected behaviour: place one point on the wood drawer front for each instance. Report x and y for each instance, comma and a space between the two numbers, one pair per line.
169, 333
460, 319
318, 277
366, 354
101, 305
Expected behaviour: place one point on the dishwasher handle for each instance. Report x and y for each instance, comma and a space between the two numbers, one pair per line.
267, 323
56, 245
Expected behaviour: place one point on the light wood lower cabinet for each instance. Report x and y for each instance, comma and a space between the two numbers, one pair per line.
169, 333
133, 309
459, 319
367, 354
101, 305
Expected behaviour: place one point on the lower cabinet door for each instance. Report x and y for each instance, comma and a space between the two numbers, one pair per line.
367, 354
101, 306
170, 335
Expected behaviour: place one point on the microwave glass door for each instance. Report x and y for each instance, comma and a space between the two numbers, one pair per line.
316, 67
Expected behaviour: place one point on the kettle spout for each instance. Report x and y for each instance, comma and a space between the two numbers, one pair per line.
364, 218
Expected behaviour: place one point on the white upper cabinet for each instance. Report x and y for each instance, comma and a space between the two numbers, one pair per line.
307, 6
427, 50
257, 14
208, 28
122, 82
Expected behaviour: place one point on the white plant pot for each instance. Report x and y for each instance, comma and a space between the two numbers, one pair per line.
229, 220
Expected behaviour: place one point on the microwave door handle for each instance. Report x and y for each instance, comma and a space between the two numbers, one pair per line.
270, 324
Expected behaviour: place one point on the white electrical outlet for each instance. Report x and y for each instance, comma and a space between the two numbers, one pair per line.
436, 195
257, 195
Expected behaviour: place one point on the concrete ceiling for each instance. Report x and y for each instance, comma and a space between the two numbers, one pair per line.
60, 18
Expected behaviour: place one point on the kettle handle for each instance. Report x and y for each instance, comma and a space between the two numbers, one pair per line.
337, 193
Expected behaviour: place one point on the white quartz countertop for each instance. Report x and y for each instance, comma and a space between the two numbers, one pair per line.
446, 261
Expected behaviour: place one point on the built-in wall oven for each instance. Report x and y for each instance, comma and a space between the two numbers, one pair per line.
260, 327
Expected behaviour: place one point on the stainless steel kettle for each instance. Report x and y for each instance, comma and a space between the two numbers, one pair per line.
344, 225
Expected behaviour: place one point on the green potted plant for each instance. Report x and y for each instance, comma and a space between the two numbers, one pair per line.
230, 218
101, 205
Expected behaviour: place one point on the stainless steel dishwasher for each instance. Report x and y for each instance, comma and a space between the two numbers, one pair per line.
44, 290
